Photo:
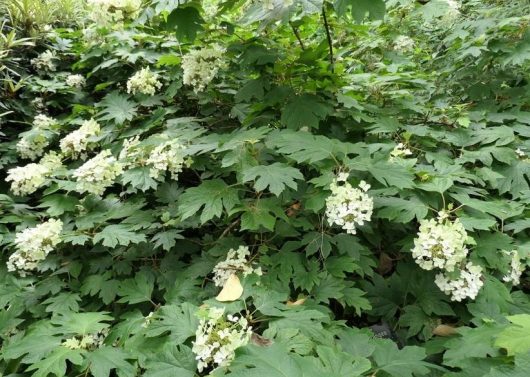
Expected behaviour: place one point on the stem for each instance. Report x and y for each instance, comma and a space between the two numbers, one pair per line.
330, 43
297, 34
230, 227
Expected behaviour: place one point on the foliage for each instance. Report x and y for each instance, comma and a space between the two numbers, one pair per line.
179, 132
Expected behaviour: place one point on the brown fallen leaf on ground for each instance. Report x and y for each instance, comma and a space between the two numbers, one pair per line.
260, 340
386, 264
232, 289
298, 302
444, 330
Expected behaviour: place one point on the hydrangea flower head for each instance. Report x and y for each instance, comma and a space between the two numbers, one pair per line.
76, 142
516, 268
98, 173
217, 338
45, 61
144, 81
201, 66
105, 12
403, 43
236, 261
168, 156
32, 145
33, 245
75, 81
27, 179
348, 207
44, 122
440, 244
468, 284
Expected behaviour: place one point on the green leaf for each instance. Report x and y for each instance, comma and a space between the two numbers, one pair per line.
117, 107
179, 320
64, 302
261, 213
405, 362
275, 176
473, 342
516, 337
57, 204
520, 369
515, 178
375, 9
81, 323
138, 289
118, 234
35, 345
386, 173
416, 320
517, 226
139, 178
173, 360
55, 362
103, 359
304, 147
304, 111
401, 210
186, 20
167, 239
212, 196
354, 298
342, 364
272, 361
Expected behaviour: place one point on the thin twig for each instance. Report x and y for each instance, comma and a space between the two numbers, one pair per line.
330, 43
230, 227
297, 34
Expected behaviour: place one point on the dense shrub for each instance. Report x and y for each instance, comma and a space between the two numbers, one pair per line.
254, 188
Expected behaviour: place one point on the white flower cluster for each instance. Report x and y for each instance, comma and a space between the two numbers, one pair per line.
452, 13
104, 12
33, 245
75, 81
32, 145
45, 61
77, 141
399, 151
201, 66
520, 153
217, 338
98, 173
33, 142
403, 43
269, 5
148, 319
131, 154
516, 268
468, 284
348, 207
236, 261
210, 8
144, 81
38, 103
27, 179
44, 122
440, 244
52, 161
86, 342
168, 156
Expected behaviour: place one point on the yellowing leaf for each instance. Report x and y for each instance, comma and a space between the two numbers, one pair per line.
444, 330
232, 290
298, 302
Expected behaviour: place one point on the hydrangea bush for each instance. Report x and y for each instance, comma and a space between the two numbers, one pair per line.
254, 188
